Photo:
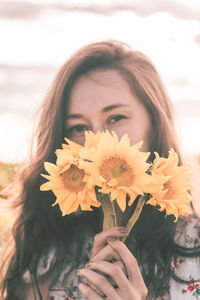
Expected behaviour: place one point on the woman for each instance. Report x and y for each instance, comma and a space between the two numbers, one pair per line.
105, 85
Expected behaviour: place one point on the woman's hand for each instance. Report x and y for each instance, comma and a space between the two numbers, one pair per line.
127, 282
101, 249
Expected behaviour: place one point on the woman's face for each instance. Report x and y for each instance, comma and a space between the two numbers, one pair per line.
103, 100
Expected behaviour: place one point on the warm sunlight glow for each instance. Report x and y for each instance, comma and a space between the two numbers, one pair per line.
34, 44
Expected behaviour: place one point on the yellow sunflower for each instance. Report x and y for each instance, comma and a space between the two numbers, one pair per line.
69, 153
173, 196
117, 168
68, 181
92, 139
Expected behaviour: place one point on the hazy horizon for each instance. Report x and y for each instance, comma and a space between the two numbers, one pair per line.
38, 36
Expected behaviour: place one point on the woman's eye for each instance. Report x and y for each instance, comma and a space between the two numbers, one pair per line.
77, 130
116, 118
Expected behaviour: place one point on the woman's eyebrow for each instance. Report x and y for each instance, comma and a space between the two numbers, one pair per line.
105, 109
74, 116
110, 107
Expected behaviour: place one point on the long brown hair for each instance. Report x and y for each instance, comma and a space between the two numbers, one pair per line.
38, 225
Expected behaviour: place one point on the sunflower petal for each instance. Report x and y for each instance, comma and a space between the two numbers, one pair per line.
121, 200
50, 168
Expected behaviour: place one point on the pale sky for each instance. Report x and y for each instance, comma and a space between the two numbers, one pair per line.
38, 36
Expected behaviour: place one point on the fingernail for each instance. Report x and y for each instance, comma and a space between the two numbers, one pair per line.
110, 239
89, 263
78, 271
123, 230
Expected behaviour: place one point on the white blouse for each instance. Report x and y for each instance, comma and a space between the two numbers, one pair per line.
187, 234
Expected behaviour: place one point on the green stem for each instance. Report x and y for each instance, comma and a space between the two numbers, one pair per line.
110, 219
107, 205
135, 215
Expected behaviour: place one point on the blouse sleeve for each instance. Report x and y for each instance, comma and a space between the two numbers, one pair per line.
187, 235
65, 285
44, 265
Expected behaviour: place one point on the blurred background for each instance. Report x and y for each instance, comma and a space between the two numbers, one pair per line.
37, 36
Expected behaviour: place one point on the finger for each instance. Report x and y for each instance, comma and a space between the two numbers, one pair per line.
122, 267
95, 288
107, 253
101, 282
129, 260
100, 239
114, 271
120, 264
88, 292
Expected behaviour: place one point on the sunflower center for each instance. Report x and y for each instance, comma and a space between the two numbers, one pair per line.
117, 168
73, 179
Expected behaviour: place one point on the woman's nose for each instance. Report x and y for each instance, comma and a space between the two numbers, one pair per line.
97, 127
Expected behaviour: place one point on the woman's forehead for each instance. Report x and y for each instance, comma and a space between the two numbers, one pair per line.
102, 87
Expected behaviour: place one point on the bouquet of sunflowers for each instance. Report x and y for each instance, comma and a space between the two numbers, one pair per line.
106, 169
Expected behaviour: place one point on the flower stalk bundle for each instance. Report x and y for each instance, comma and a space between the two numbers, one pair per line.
105, 170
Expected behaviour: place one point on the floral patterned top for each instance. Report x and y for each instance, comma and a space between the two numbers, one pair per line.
187, 234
